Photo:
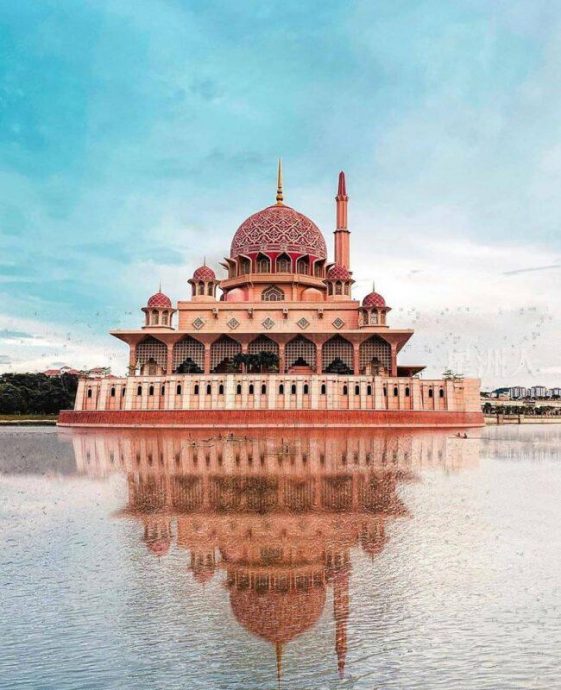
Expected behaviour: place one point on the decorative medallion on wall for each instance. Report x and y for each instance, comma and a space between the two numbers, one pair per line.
303, 323
198, 323
338, 323
233, 323
268, 323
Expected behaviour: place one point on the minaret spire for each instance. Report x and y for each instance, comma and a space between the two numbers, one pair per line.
278, 650
279, 184
342, 234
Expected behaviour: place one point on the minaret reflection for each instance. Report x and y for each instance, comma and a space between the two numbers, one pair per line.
281, 516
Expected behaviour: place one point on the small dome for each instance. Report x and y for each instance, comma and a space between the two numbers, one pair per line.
312, 295
338, 272
374, 299
160, 300
278, 228
204, 273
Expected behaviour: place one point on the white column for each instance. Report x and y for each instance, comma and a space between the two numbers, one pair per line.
314, 392
229, 392
80, 392
272, 392
102, 397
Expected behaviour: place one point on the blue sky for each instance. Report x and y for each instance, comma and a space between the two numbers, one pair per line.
135, 136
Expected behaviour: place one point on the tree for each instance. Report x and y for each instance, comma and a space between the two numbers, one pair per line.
337, 366
188, 366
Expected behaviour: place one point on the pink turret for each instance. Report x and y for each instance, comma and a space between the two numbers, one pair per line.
342, 234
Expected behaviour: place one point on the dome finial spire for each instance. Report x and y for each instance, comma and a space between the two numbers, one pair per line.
160, 286
279, 184
278, 651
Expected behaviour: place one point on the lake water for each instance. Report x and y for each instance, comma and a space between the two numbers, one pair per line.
296, 560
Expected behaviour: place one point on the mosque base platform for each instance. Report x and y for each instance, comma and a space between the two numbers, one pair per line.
238, 419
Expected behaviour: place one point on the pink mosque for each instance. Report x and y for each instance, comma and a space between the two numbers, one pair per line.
279, 341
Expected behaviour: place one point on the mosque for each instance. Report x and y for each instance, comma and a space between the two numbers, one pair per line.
278, 340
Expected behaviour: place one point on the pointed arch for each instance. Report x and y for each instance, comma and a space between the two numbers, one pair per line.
190, 353
300, 352
337, 356
151, 356
283, 263
272, 294
376, 352
222, 353
263, 263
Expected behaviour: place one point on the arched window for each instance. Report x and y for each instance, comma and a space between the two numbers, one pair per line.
163, 390
196, 389
283, 263
208, 389
441, 392
376, 352
239, 389
345, 390
395, 392
89, 392
306, 389
153, 353
318, 269
165, 318
368, 390
303, 265
245, 266
263, 389
188, 356
263, 264
222, 354
385, 391
431, 393
281, 389
337, 356
151, 390
139, 390
221, 389
113, 392
407, 392
293, 389
251, 389
178, 389
357, 390
323, 389
272, 294
300, 352
123, 390
338, 288
154, 319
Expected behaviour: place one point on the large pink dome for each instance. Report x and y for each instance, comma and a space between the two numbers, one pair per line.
278, 229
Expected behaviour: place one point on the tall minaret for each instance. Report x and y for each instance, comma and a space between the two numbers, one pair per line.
342, 234
341, 615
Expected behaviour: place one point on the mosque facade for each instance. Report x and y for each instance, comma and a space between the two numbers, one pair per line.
278, 340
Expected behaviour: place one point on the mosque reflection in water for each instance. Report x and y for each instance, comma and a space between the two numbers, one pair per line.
278, 515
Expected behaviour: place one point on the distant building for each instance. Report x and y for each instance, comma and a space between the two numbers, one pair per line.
518, 392
55, 373
555, 392
537, 392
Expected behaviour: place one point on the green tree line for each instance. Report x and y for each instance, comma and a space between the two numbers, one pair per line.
36, 393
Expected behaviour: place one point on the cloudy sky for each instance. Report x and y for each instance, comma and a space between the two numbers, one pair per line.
136, 135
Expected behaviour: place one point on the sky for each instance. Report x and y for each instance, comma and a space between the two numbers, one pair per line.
136, 135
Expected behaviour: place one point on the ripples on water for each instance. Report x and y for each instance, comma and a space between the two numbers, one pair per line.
251, 561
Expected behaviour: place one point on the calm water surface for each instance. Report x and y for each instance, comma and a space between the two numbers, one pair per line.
263, 560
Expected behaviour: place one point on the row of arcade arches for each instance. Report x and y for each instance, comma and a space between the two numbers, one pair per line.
337, 354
